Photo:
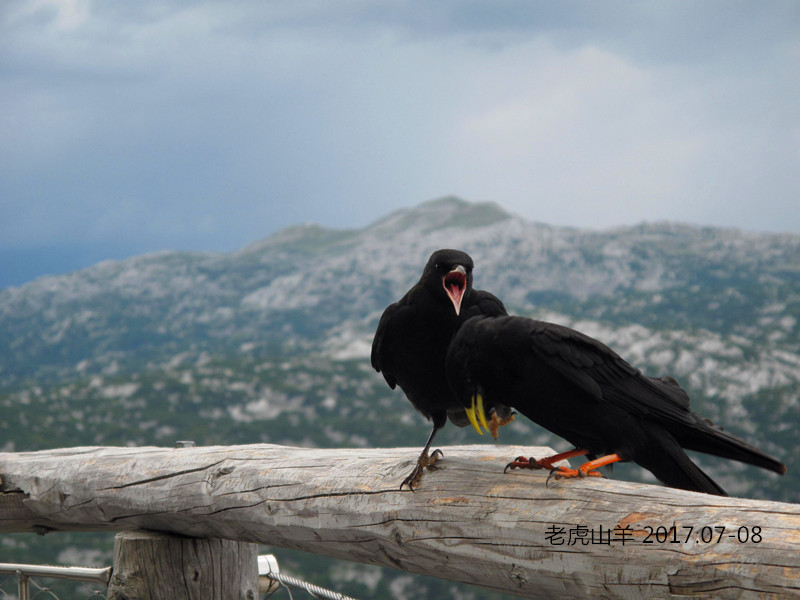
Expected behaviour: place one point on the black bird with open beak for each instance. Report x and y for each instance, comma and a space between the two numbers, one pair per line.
411, 343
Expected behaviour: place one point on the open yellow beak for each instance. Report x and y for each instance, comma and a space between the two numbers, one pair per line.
477, 407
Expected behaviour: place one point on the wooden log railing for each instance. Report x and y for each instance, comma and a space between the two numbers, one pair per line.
468, 522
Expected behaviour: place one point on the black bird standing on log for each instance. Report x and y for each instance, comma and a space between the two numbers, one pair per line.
583, 391
411, 343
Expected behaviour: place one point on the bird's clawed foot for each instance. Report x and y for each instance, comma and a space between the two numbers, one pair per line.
567, 473
528, 463
496, 423
587, 469
423, 462
544, 463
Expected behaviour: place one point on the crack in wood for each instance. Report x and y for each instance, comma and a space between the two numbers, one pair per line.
162, 477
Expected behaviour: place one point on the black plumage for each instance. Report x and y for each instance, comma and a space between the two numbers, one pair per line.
581, 390
413, 334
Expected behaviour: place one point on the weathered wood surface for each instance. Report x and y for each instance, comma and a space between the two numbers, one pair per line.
155, 566
467, 522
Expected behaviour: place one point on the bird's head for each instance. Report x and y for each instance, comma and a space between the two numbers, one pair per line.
449, 271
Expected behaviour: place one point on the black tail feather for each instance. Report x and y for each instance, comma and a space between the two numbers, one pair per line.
712, 439
674, 468
701, 435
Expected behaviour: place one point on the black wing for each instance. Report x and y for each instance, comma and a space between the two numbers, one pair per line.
380, 344
603, 374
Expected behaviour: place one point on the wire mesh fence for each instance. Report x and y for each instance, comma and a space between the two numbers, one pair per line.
13, 587
39, 582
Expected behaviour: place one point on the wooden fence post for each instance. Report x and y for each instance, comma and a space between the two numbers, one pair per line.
158, 566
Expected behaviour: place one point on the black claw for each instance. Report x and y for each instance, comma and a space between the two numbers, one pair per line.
413, 478
553, 474
423, 462
529, 463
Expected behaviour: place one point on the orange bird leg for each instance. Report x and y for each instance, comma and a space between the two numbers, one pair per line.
587, 469
544, 463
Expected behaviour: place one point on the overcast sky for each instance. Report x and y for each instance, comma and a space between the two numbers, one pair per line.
128, 127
